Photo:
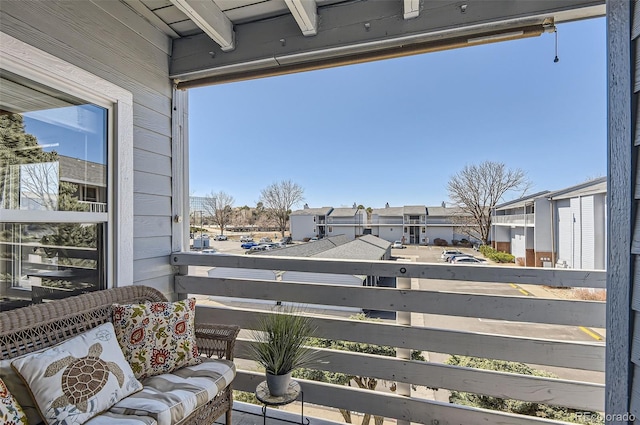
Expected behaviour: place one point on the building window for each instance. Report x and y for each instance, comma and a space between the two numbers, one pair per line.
330, 229
406, 230
56, 201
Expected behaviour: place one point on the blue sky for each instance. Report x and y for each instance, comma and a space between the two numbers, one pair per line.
396, 130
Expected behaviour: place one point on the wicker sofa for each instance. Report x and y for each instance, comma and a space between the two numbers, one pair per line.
36, 327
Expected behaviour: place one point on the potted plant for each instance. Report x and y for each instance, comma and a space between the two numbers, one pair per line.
280, 346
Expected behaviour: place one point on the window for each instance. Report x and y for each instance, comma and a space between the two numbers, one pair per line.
58, 208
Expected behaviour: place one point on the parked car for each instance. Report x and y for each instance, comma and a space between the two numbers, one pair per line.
209, 251
248, 245
313, 239
261, 247
397, 244
245, 238
449, 252
220, 238
265, 240
468, 260
450, 258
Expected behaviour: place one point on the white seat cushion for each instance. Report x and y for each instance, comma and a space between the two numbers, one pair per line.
109, 418
171, 397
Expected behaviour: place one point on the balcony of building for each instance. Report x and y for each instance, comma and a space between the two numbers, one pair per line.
527, 220
437, 309
387, 221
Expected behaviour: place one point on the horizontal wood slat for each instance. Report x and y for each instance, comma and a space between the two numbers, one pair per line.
524, 275
577, 355
577, 395
522, 309
411, 409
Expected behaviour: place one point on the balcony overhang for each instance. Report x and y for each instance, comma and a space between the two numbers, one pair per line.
362, 31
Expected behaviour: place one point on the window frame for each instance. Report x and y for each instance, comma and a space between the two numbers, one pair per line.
34, 64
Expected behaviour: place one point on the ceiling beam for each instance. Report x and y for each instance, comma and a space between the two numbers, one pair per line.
305, 14
210, 19
411, 9
358, 31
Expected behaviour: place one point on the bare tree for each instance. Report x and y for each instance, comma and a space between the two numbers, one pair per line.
219, 206
477, 189
278, 198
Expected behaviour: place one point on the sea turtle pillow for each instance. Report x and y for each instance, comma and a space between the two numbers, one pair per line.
78, 379
157, 337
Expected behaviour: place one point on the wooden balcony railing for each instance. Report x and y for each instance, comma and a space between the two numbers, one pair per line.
579, 356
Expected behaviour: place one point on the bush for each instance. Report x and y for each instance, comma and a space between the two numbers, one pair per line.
520, 261
516, 406
440, 242
246, 397
497, 256
503, 257
486, 250
454, 242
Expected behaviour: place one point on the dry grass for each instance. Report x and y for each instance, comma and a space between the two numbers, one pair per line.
590, 294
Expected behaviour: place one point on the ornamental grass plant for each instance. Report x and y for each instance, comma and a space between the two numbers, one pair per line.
280, 341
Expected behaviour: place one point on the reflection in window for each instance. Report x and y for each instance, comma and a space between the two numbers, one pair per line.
48, 261
53, 160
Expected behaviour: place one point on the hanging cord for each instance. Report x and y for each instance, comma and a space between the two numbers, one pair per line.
556, 59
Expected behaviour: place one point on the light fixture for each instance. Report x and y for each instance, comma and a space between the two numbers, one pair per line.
556, 59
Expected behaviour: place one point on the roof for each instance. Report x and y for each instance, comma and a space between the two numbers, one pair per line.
367, 247
76, 170
520, 202
590, 187
313, 211
364, 248
389, 211
415, 209
309, 249
343, 212
444, 211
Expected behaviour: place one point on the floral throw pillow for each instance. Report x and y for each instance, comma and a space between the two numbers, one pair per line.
157, 337
78, 379
10, 411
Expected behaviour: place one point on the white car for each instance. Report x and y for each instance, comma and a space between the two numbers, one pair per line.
468, 260
397, 244
449, 252
246, 238
261, 247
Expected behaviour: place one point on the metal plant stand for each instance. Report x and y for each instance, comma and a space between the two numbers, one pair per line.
293, 391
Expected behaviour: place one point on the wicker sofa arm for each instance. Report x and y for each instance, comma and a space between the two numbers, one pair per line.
216, 340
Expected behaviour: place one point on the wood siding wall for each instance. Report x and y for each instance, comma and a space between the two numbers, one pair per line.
99, 38
622, 387
634, 142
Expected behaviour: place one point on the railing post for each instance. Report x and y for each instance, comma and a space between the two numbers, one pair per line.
403, 318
